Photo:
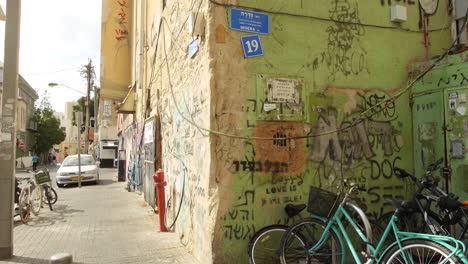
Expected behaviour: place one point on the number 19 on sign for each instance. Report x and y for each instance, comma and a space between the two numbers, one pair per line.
252, 46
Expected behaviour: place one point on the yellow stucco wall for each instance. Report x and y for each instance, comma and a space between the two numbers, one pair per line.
116, 37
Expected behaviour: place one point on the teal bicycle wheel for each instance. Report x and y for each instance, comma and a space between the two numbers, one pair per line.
419, 251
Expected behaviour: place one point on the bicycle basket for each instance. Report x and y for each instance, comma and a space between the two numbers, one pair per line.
320, 201
42, 177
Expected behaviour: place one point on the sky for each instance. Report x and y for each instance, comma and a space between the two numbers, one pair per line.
57, 38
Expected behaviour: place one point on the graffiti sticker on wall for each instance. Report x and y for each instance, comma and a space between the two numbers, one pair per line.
283, 91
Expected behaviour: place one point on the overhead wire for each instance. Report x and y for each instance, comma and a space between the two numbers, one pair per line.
323, 19
362, 117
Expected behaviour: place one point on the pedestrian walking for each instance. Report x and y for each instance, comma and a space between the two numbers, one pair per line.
35, 160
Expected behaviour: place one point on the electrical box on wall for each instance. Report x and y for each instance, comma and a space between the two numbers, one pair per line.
196, 24
398, 14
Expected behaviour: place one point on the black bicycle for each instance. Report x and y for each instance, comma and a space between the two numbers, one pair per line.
264, 245
431, 210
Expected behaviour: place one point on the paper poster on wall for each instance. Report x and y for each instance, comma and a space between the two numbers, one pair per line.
269, 107
149, 132
282, 90
462, 98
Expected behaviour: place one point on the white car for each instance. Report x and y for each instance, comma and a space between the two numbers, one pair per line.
68, 171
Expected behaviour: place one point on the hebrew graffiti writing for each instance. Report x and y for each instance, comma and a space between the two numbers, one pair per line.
345, 53
261, 166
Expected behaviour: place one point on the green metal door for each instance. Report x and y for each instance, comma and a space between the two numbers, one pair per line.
456, 118
428, 133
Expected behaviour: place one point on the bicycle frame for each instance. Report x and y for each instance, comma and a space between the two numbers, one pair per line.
400, 237
435, 193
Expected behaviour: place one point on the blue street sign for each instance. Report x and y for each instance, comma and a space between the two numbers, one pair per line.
244, 20
252, 46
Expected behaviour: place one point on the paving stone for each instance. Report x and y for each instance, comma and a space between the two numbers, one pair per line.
97, 224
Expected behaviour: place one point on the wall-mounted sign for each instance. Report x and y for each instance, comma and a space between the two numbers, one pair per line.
193, 47
453, 95
149, 132
282, 90
252, 46
248, 21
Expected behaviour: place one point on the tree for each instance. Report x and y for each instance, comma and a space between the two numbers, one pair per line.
81, 107
49, 131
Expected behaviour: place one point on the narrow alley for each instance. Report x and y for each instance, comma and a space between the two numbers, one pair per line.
97, 224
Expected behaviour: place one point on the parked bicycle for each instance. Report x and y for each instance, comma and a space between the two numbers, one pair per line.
28, 198
48, 194
264, 245
419, 215
327, 239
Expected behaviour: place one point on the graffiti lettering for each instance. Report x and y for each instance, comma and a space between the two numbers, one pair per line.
378, 106
457, 78
261, 166
328, 143
250, 193
425, 107
239, 231
282, 200
344, 53
237, 214
378, 169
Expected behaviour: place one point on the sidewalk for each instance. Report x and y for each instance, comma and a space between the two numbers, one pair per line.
97, 224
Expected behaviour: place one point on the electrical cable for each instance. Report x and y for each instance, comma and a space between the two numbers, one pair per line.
45, 73
182, 195
324, 19
362, 117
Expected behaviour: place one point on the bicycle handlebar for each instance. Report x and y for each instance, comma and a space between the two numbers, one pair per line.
352, 186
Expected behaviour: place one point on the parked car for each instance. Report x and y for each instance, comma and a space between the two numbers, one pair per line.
68, 171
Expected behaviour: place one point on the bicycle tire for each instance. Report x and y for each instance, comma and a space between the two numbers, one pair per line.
49, 201
419, 249
265, 244
460, 227
36, 200
292, 252
24, 206
54, 196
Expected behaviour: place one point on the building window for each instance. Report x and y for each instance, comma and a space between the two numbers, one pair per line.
107, 108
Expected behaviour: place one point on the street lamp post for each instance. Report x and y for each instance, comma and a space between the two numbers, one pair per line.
8, 127
87, 111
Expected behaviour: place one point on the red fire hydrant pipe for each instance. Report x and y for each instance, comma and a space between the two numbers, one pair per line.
160, 184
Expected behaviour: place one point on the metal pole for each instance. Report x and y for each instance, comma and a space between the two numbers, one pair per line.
87, 105
79, 122
8, 127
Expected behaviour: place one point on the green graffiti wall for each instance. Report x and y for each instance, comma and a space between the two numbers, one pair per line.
325, 65
439, 100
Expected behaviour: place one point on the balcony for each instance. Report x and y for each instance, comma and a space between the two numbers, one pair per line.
32, 125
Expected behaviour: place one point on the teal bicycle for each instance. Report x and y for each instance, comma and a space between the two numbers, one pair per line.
327, 238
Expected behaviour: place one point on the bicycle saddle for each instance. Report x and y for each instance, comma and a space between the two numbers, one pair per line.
404, 205
294, 209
